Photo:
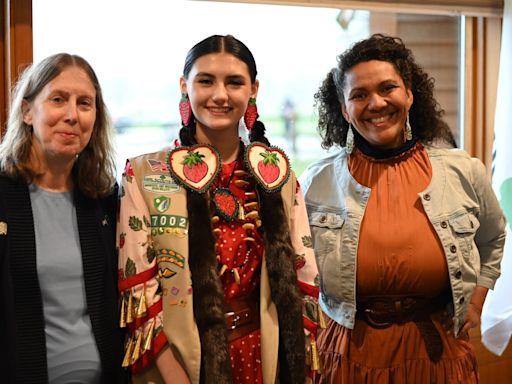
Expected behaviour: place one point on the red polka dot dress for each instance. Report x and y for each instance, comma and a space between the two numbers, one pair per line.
236, 253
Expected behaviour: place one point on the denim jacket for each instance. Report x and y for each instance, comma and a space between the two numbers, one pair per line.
459, 202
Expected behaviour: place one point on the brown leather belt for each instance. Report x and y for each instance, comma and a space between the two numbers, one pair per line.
242, 316
382, 312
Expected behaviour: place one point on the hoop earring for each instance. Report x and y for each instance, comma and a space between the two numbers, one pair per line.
251, 113
349, 143
407, 129
185, 109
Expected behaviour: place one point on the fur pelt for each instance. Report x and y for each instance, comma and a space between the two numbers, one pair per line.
279, 255
208, 296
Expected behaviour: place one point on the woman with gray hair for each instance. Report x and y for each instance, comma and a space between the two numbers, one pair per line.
57, 229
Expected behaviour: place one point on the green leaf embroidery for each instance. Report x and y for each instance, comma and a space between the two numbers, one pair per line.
307, 241
146, 222
151, 254
311, 311
130, 269
135, 223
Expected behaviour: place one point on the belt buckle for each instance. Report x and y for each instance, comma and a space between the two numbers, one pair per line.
238, 318
234, 319
374, 323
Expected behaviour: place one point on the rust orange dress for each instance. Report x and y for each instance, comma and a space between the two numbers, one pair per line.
399, 254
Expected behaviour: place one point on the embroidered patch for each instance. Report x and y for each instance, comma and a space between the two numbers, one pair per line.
170, 256
169, 221
161, 203
157, 165
165, 273
182, 302
269, 166
195, 167
159, 183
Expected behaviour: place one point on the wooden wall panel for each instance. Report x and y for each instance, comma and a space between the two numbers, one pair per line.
15, 47
434, 41
493, 369
487, 8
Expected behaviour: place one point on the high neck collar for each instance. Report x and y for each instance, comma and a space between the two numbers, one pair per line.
378, 153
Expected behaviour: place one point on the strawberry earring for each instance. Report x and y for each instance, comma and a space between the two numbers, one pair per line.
251, 113
185, 109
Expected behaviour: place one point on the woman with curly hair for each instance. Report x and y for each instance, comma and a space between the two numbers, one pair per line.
407, 231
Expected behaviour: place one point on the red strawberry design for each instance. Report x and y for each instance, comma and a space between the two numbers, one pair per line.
185, 109
194, 168
251, 114
299, 261
122, 237
267, 167
225, 203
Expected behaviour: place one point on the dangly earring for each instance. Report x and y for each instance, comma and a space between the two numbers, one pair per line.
251, 114
408, 129
349, 143
185, 109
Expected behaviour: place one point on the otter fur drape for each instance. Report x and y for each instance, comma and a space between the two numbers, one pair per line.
208, 296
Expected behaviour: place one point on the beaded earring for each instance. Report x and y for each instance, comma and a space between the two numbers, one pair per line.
349, 144
251, 113
408, 129
185, 109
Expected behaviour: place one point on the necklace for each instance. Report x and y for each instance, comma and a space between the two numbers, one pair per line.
225, 202
242, 213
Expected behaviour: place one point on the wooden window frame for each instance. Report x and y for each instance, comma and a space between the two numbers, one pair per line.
16, 50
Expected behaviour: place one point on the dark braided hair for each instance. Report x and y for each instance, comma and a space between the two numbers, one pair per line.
425, 114
219, 44
279, 252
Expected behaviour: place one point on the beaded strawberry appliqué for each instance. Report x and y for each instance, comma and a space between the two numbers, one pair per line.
195, 167
198, 169
268, 165
225, 203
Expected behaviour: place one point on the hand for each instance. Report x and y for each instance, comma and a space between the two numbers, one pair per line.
170, 370
471, 320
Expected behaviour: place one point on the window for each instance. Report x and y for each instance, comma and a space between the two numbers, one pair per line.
138, 50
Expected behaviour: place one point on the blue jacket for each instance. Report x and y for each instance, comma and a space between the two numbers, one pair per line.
459, 202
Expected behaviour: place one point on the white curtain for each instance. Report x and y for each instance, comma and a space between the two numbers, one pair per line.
496, 327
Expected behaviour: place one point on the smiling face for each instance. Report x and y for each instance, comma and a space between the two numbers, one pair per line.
376, 103
62, 116
219, 87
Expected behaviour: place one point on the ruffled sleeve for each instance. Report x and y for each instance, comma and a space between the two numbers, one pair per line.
141, 302
307, 274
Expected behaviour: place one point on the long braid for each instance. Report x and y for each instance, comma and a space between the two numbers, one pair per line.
279, 254
188, 133
257, 133
208, 296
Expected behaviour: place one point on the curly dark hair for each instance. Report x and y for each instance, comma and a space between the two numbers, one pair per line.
425, 115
